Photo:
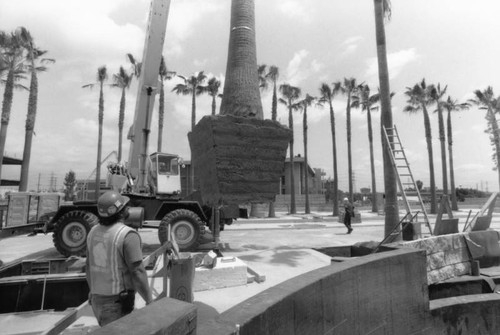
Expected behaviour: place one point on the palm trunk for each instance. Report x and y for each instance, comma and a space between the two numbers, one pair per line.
454, 204
442, 139
30, 127
372, 161
428, 139
496, 140
293, 209
99, 145
274, 111
241, 70
306, 164
8, 95
161, 114
191, 187
349, 152
214, 105
391, 201
335, 174
121, 117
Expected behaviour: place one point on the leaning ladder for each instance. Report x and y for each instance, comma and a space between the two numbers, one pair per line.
402, 168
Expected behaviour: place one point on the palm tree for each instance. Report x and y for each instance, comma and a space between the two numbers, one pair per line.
33, 56
192, 86
12, 55
121, 80
349, 87
290, 95
165, 74
212, 89
102, 76
436, 96
261, 72
273, 74
419, 98
487, 101
327, 95
303, 104
383, 11
367, 103
452, 105
135, 65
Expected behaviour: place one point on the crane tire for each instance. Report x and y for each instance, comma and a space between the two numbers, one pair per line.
71, 231
186, 227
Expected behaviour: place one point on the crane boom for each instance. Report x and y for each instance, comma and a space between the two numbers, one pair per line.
147, 89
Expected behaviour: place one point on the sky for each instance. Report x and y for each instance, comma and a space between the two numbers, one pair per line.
451, 42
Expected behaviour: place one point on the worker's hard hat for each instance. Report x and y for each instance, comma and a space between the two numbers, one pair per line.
111, 203
345, 199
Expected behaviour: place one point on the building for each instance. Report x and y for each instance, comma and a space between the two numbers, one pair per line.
301, 172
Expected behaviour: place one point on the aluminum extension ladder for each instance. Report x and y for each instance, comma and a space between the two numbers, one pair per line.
402, 168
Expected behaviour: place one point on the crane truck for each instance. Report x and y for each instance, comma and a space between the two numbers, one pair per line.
153, 182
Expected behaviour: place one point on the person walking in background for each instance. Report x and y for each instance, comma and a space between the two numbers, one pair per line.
114, 262
348, 214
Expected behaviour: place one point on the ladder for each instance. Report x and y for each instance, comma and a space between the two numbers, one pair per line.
402, 168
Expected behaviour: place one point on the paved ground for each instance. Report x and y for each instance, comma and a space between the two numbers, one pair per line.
278, 248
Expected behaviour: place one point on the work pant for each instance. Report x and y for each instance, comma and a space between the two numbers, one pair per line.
347, 220
107, 308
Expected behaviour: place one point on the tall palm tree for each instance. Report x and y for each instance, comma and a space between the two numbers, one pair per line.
102, 76
165, 75
436, 96
290, 96
135, 65
11, 47
383, 11
303, 104
419, 99
121, 80
349, 87
192, 86
212, 89
273, 75
261, 72
452, 105
35, 64
367, 103
487, 101
327, 94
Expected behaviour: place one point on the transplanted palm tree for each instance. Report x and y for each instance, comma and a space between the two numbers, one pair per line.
419, 99
165, 75
367, 103
212, 89
383, 11
303, 104
487, 101
192, 86
12, 56
35, 64
327, 94
290, 96
452, 105
349, 87
121, 80
436, 96
102, 76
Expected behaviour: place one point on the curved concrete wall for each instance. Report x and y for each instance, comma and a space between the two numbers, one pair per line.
384, 293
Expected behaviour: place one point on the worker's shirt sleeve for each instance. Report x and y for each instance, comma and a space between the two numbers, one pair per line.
132, 250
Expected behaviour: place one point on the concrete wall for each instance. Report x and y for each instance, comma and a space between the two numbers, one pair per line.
384, 293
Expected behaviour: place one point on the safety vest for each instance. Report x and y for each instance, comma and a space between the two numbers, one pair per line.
109, 274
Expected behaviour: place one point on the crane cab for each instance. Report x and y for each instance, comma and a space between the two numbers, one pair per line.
165, 173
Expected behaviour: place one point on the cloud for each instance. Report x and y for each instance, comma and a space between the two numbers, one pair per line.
296, 10
350, 45
396, 61
299, 68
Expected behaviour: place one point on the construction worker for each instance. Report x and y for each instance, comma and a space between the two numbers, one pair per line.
114, 262
348, 214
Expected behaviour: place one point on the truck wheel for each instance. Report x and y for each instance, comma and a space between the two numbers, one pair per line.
71, 230
186, 226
